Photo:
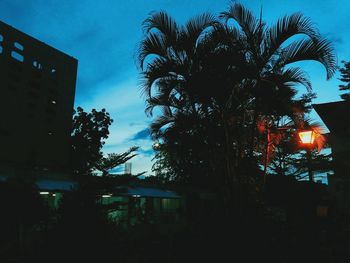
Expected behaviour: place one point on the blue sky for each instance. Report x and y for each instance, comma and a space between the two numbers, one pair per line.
103, 35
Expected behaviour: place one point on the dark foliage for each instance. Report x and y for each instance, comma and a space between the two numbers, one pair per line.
23, 212
345, 78
89, 130
213, 80
80, 231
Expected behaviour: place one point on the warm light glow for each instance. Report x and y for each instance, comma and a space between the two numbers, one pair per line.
44, 193
307, 137
156, 145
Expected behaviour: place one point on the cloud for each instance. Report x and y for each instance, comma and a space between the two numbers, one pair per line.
141, 135
149, 152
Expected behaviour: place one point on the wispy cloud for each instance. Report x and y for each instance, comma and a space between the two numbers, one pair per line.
141, 135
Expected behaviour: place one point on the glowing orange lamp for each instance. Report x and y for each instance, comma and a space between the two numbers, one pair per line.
307, 137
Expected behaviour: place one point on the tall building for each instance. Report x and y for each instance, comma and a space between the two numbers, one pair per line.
127, 168
37, 88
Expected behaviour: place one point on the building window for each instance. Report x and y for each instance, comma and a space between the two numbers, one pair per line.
1, 40
37, 65
53, 101
18, 46
17, 56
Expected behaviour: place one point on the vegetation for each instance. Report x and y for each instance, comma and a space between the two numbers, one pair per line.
214, 80
345, 77
224, 92
89, 132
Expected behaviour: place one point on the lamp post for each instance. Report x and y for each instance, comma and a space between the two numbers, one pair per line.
307, 139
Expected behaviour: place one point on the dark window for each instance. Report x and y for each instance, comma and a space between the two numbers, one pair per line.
33, 95
17, 56
1, 39
37, 64
50, 111
31, 105
34, 85
18, 46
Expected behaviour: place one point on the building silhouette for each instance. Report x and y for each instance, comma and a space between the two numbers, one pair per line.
336, 116
36, 104
127, 168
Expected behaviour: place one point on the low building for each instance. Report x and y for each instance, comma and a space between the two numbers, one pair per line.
336, 116
133, 204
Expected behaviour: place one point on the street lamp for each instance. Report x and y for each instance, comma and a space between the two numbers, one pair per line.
307, 139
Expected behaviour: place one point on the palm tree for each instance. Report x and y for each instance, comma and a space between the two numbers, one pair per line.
271, 51
211, 75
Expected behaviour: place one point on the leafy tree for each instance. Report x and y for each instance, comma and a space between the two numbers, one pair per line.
345, 77
289, 159
89, 132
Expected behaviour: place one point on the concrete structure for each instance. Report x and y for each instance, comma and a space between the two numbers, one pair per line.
36, 103
336, 116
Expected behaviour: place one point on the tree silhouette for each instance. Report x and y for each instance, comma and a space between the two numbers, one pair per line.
214, 79
345, 78
89, 130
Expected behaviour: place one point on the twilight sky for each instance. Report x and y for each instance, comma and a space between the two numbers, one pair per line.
103, 35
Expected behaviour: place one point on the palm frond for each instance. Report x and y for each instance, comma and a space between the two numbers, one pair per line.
296, 76
194, 28
161, 100
245, 18
285, 28
221, 37
158, 68
159, 123
320, 50
153, 44
163, 23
